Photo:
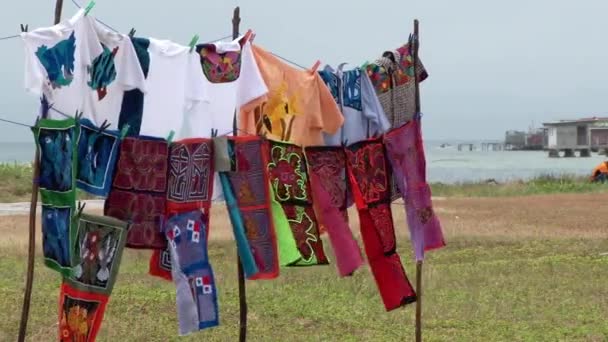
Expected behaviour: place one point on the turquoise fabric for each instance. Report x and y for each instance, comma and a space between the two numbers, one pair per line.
247, 260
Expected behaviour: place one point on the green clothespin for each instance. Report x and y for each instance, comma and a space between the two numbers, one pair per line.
170, 137
193, 42
89, 7
124, 131
364, 65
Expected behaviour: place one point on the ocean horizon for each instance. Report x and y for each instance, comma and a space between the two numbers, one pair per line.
444, 165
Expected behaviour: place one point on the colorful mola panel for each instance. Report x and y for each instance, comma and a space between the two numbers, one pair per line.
80, 314
289, 180
97, 155
100, 242
142, 165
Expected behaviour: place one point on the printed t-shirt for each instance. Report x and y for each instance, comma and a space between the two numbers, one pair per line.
299, 107
115, 70
56, 60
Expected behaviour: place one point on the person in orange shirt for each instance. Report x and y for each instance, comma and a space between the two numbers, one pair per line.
299, 107
600, 173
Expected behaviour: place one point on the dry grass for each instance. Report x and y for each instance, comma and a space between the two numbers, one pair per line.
515, 269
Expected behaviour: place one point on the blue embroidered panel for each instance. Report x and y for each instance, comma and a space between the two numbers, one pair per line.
97, 155
352, 89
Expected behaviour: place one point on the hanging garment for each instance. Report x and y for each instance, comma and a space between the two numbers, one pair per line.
299, 108
115, 70
190, 183
98, 249
406, 154
289, 179
249, 180
231, 81
160, 264
144, 211
132, 109
327, 170
57, 141
80, 314
369, 175
56, 60
393, 78
142, 165
354, 93
139, 190
174, 84
97, 155
192, 273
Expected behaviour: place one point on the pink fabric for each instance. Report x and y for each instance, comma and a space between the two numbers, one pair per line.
406, 154
347, 252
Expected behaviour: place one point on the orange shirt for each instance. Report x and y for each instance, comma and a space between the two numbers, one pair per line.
299, 106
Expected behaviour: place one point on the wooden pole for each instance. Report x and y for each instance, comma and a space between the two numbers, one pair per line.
236, 20
415, 42
31, 254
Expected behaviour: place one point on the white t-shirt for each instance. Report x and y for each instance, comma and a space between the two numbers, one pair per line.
115, 70
56, 60
221, 99
174, 85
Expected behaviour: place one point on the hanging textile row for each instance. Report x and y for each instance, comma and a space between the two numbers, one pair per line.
149, 135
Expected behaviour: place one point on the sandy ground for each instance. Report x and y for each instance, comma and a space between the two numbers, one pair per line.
544, 217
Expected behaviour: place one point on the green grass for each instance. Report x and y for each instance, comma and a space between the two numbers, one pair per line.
475, 290
539, 186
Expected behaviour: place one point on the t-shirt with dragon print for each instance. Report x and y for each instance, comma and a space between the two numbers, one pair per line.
112, 72
56, 60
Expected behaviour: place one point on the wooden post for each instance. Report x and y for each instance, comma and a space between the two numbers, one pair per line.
236, 20
31, 254
418, 263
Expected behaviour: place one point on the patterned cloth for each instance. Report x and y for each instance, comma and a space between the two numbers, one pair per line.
99, 245
57, 141
394, 84
80, 314
192, 273
289, 179
142, 165
145, 212
406, 154
249, 180
160, 264
190, 184
138, 193
327, 169
369, 175
97, 155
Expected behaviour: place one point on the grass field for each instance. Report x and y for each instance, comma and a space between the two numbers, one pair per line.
515, 269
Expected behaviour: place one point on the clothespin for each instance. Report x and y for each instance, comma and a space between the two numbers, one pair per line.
213, 133
193, 42
89, 7
78, 115
81, 206
364, 65
132, 32
252, 38
247, 36
24, 28
315, 66
124, 131
170, 137
103, 126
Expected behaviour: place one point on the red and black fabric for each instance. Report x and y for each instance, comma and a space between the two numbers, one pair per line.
370, 175
138, 190
249, 180
289, 179
189, 187
327, 170
80, 314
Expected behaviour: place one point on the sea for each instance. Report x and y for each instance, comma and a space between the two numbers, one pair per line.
444, 164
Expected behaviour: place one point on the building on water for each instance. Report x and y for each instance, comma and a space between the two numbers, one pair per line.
571, 136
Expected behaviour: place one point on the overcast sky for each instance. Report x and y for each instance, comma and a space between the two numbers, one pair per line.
493, 65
